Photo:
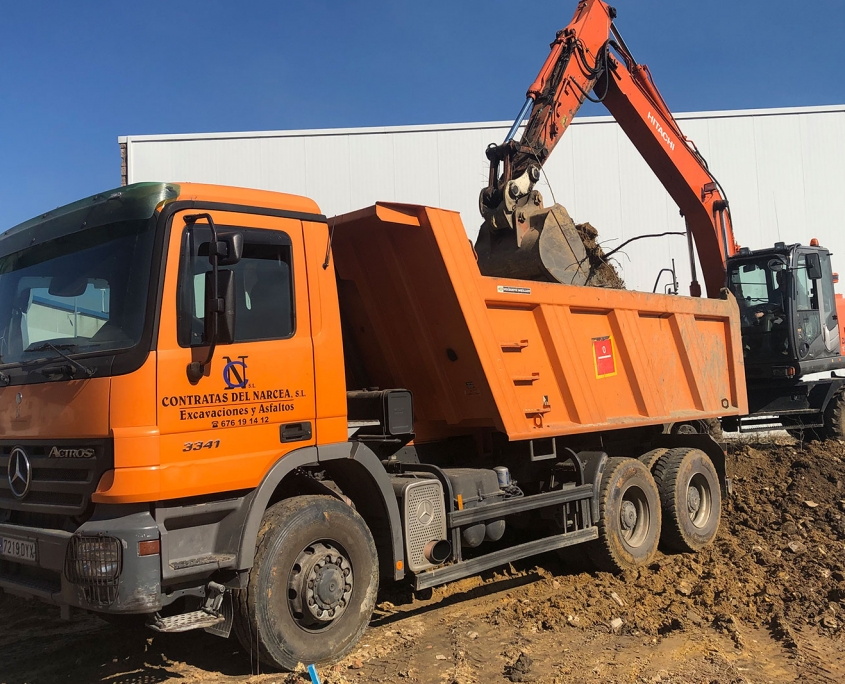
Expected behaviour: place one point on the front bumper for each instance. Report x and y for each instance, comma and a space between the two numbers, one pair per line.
135, 587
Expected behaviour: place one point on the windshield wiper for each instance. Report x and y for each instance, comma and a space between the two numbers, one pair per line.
58, 349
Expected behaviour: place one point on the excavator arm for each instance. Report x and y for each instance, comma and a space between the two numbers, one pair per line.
587, 56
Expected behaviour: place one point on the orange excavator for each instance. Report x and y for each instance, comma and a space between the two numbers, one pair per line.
790, 316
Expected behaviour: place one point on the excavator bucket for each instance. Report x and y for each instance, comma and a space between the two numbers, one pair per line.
547, 246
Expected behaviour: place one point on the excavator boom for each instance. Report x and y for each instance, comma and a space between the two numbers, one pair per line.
587, 56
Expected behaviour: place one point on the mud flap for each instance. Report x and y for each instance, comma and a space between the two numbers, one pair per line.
227, 611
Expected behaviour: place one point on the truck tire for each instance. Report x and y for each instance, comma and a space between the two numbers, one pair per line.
312, 586
629, 517
650, 458
690, 497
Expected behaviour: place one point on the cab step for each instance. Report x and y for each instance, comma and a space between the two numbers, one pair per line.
196, 619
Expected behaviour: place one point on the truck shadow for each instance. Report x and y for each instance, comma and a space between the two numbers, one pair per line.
37, 646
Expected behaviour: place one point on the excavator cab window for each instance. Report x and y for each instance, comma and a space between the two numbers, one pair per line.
816, 329
761, 287
808, 322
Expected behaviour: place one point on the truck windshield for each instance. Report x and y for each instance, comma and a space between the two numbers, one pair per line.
83, 292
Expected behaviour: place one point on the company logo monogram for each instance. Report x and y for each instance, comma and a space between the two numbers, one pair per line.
234, 373
19, 472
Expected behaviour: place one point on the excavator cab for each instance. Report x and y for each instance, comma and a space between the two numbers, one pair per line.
788, 310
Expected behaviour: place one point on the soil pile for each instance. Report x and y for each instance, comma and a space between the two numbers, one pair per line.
601, 271
778, 563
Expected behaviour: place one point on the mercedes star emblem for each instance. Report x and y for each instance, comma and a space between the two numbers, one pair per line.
425, 512
20, 473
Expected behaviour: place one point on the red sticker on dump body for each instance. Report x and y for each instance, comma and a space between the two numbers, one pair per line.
603, 356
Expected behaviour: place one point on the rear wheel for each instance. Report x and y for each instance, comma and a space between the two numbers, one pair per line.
313, 584
834, 418
650, 458
629, 517
690, 498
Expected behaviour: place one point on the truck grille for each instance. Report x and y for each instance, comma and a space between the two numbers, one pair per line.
60, 486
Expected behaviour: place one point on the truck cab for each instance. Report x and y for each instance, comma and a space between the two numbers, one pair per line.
102, 321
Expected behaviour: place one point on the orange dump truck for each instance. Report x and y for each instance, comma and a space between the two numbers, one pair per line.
220, 409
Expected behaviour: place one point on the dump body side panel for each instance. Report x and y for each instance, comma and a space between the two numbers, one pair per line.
530, 359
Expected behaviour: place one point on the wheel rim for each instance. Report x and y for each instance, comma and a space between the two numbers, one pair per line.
686, 429
634, 517
699, 500
320, 586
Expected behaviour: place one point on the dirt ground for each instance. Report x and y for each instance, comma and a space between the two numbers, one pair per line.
766, 603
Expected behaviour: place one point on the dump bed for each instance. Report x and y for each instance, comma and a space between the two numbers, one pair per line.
530, 359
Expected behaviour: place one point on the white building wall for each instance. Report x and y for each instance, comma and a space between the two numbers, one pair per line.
783, 172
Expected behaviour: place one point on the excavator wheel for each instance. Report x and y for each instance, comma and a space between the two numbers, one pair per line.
690, 498
629, 517
834, 418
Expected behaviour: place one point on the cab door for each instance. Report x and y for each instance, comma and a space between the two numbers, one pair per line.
255, 400
817, 331
830, 320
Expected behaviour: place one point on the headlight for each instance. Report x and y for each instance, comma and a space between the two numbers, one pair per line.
93, 560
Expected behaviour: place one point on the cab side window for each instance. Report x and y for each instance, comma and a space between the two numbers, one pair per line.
264, 307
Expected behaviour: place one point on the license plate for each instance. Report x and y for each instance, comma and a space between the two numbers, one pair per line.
19, 549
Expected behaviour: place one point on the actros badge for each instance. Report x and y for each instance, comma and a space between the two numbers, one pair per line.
234, 373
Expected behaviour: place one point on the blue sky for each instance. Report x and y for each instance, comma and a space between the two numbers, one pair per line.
75, 75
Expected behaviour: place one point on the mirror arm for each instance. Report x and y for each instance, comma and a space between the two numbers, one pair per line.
195, 368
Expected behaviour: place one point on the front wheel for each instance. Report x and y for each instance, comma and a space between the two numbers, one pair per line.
313, 584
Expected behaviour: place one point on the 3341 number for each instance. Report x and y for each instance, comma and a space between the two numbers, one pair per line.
196, 446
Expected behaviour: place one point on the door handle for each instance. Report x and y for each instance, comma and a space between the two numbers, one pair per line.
295, 432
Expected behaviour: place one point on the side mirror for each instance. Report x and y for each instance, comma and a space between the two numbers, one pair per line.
229, 249
220, 312
234, 249
814, 266
776, 265
68, 285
